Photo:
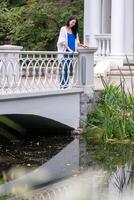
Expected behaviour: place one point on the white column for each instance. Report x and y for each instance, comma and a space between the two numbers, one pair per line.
106, 16
86, 22
92, 21
118, 27
129, 25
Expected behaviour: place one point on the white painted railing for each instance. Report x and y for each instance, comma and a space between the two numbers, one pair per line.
104, 45
30, 71
87, 185
40, 71
67, 189
56, 191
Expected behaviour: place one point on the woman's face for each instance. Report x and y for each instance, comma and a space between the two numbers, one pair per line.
72, 23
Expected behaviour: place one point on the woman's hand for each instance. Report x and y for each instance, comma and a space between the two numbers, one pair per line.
83, 45
70, 50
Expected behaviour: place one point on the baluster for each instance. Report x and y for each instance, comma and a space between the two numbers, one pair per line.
97, 51
107, 47
32, 56
99, 47
103, 47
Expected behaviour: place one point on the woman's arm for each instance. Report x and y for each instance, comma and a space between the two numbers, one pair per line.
62, 39
67, 47
80, 44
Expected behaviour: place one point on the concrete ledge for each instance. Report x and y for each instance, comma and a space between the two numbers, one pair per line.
10, 47
41, 94
87, 50
62, 106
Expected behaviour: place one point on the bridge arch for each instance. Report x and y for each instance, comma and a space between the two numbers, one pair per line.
33, 124
62, 106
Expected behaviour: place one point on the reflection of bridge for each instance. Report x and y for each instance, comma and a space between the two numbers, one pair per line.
62, 165
52, 180
38, 83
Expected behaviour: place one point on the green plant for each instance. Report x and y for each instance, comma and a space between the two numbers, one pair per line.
113, 117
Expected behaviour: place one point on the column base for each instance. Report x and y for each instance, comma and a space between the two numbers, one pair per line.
121, 57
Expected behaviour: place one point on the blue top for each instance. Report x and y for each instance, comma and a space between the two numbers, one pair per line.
71, 41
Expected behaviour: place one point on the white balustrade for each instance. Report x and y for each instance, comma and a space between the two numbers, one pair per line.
37, 71
40, 71
104, 45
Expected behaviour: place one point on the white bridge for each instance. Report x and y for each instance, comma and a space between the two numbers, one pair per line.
46, 84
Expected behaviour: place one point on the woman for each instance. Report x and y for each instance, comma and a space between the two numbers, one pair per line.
68, 41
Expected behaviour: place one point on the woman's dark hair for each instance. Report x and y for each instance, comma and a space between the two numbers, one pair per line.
75, 28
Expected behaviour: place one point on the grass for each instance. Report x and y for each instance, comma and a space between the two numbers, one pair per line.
113, 118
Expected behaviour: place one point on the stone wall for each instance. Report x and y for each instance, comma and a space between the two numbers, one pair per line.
87, 105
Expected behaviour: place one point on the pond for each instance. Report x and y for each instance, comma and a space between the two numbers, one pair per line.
116, 162
112, 162
31, 152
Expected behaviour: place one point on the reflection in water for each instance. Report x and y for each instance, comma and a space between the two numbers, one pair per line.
117, 161
122, 181
106, 173
30, 152
64, 164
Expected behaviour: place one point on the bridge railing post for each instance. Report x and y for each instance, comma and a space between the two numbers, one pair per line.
86, 69
9, 60
86, 80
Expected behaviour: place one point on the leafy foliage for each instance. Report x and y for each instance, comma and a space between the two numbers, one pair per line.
113, 117
35, 24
